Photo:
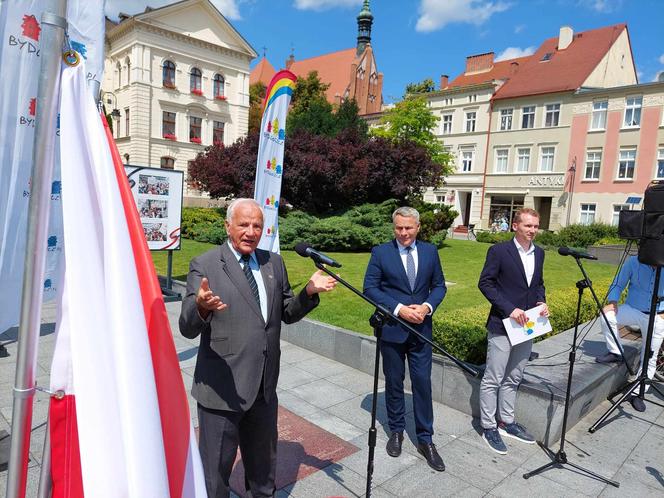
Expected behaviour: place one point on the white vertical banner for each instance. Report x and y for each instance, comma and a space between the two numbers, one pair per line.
20, 32
270, 163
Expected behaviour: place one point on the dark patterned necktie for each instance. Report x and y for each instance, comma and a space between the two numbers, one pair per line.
410, 267
250, 277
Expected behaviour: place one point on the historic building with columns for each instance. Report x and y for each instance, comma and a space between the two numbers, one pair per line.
176, 80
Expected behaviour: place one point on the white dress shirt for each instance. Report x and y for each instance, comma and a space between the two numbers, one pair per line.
527, 259
256, 272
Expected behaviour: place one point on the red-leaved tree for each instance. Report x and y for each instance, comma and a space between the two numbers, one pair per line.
322, 174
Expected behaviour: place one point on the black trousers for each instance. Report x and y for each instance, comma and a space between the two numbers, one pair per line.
255, 432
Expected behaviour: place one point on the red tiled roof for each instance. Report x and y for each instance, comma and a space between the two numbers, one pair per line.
263, 72
567, 69
333, 69
500, 71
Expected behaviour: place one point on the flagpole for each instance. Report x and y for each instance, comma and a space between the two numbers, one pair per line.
54, 24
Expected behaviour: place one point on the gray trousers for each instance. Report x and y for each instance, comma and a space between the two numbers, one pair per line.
503, 374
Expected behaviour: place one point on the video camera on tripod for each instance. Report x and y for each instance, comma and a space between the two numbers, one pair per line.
647, 225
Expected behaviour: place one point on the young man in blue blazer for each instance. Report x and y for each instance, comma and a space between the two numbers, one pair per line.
512, 280
405, 276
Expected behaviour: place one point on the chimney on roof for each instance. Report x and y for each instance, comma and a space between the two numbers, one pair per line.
565, 37
290, 60
514, 67
444, 79
480, 62
123, 17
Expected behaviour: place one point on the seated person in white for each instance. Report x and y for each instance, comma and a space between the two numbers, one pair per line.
639, 279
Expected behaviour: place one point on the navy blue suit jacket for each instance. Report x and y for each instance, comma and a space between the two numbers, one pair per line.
503, 282
386, 283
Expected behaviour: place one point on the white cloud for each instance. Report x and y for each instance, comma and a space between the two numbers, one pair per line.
602, 6
324, 4
661, 59
229, 8
514, 52
434, 14
658, 75
519, 28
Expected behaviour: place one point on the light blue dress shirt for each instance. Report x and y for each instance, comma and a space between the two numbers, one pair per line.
256, 271
639, 279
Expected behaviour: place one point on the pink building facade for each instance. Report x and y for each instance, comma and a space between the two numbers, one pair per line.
616, 149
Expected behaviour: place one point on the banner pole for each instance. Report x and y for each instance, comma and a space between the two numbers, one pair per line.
54, 24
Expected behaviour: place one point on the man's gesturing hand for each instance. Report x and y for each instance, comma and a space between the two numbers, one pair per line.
320, 282
206, 301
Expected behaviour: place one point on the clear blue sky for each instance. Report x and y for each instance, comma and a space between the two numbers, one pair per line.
418, 39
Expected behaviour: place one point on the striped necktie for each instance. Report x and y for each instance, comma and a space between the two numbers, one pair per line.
410, 267
250, 277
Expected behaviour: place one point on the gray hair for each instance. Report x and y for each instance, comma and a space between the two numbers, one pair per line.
241, 200
406, 212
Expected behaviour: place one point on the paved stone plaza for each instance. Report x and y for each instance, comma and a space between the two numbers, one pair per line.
337, 399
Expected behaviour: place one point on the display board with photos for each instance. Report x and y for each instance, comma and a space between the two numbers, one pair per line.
158, 196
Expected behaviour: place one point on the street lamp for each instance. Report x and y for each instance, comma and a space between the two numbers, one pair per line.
109, 98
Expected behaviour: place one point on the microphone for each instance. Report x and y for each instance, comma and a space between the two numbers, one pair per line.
305, 250
566, 251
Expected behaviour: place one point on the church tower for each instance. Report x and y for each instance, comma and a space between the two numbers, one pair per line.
364, 22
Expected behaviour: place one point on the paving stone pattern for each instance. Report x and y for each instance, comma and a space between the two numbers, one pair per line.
337, 399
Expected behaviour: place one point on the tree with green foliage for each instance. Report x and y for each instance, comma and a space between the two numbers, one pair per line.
411, 119
424, 86
256, 96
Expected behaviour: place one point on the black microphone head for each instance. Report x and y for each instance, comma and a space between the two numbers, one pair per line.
564, 251
301, 249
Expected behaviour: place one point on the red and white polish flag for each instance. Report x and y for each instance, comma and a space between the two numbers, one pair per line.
123, 428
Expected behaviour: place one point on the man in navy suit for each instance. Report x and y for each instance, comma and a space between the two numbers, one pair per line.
512, 280
405, 276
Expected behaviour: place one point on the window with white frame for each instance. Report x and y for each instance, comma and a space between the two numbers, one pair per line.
528, 117
523, 159
502, 157
599, 115
506, 119
552, 115
660, 164
447, 124
587, 214
616, 213
467, 158
626, 164
440, 199
546, 158
471, 117
632, 112
593, 163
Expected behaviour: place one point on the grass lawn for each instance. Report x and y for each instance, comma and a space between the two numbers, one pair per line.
462, 263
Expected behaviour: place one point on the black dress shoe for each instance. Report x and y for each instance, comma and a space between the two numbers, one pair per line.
428, 451
393, 446
638, 404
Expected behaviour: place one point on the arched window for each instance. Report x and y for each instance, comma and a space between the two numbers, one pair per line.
168, 74
167, 163
196, 81
128, 63
219, 87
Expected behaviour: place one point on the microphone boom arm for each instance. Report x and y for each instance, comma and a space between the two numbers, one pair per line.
390, 318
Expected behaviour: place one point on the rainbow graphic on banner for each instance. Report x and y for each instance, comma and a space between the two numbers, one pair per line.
269, 164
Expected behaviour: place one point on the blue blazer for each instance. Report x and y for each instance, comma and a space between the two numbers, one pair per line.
503, 282
386, 283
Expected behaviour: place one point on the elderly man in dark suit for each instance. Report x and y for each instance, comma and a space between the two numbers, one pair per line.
406, 277
237, 297
513, 282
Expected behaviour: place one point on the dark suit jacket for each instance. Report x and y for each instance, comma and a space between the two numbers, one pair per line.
503, 282
386, 282
238, 348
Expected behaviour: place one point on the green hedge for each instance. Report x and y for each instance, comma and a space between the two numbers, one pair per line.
463, 333
357, 229
580, 236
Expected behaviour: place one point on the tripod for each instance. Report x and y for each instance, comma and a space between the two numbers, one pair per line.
559, 458
381, 317
642, 379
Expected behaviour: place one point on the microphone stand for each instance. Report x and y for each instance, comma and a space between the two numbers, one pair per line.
559, 459
379, 318
642, 379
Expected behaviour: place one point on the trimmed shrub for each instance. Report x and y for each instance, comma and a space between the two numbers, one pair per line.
585, 235
494, 237
203, 224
